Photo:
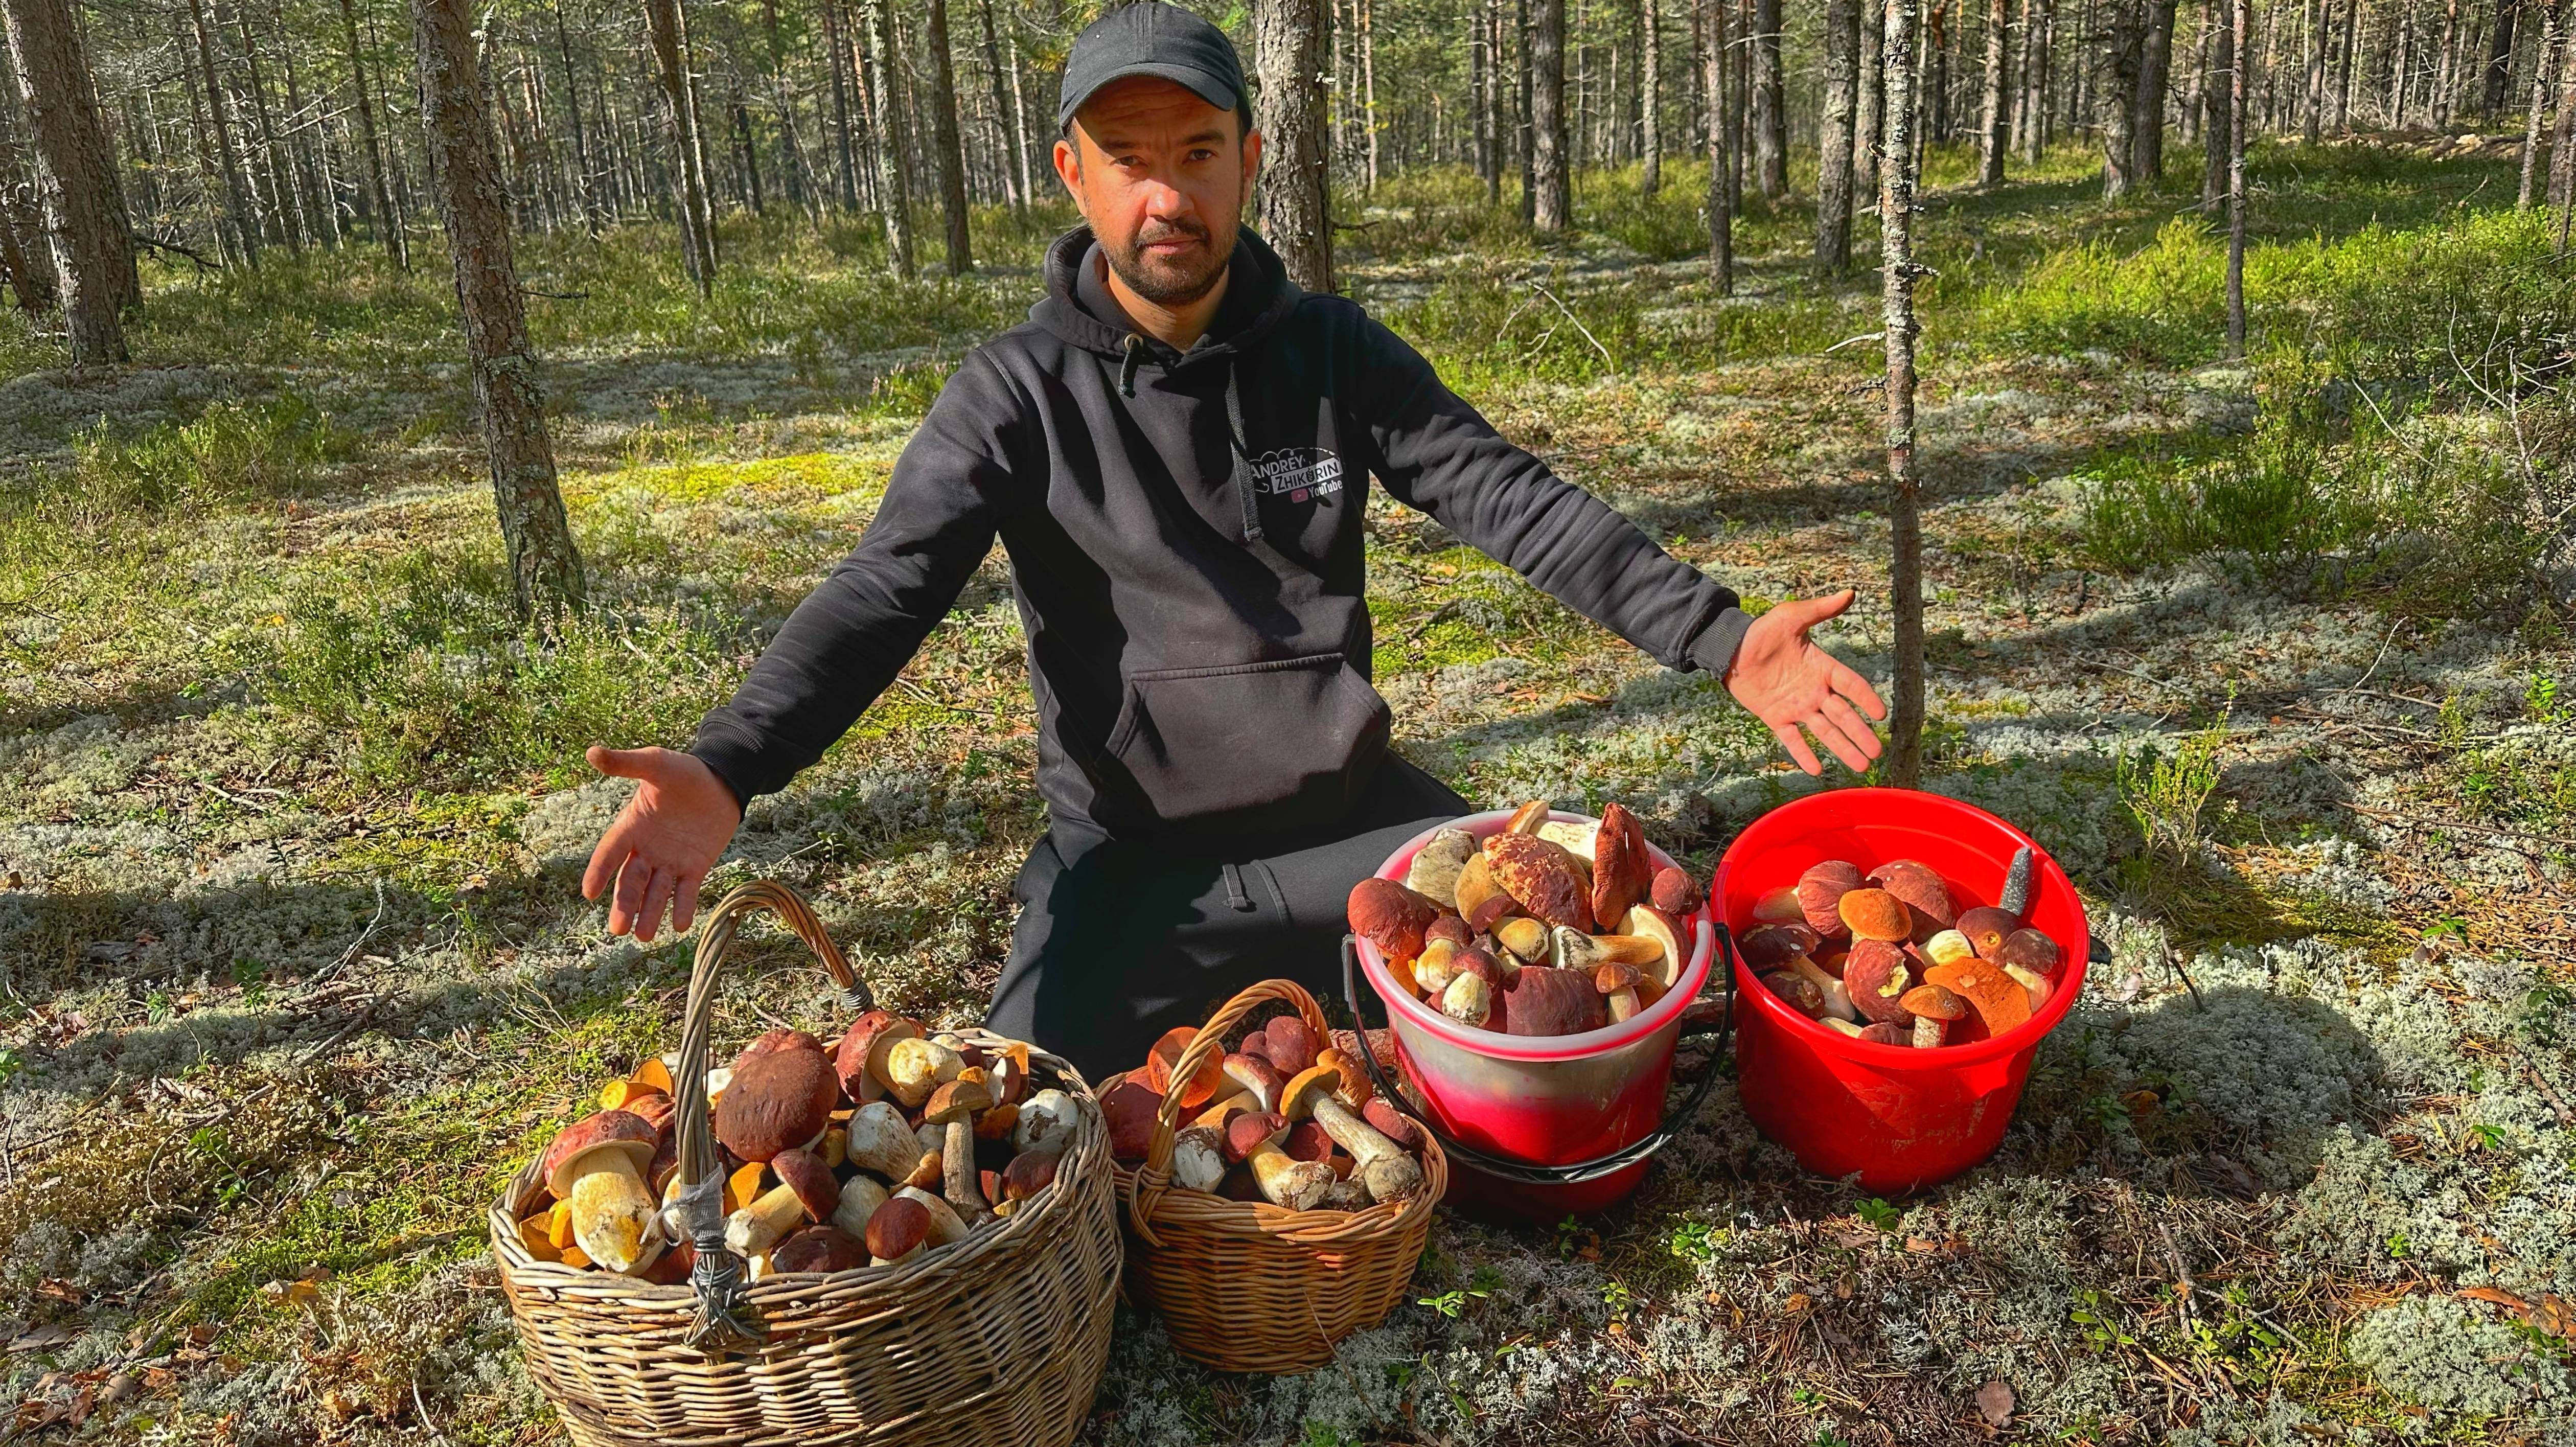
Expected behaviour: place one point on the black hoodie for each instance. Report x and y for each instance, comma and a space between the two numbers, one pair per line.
1185, 538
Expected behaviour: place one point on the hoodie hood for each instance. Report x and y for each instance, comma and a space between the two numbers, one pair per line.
1257, 273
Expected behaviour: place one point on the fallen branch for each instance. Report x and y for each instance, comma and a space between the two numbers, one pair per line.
175, 249
1578, 321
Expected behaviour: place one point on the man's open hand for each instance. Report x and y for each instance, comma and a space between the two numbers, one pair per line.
1788, 682
664, 841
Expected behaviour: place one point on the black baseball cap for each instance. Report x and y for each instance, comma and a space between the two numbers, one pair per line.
1153, 39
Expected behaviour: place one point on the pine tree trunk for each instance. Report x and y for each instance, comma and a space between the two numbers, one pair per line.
1770, 103
1721, 164
667, 31
322, 219
2240, 59
1368, 89
2031, 111
244, 214
281, 192
1905, 520
2445, 65
2498, 82
1993, 137
841, 143
2122, 44
2562, 147
1525, 117
386, 228
582, 191
2540, 72
1869, 97
1019, 113
1650, 98
2343, 65
1015, 142
2320, 35
2218, 107
791, 148
944, 141
76, 178
1480, 85
1296, 173
894, 193
1834, 137
1549, 140
545, 569
2147, 109
26, 257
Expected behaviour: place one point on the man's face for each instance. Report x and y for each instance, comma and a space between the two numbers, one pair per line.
1161, 175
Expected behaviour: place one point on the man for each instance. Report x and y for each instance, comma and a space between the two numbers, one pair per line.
1174, 450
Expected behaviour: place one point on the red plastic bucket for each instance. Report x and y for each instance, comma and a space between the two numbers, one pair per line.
1902, 1118
1543, 1101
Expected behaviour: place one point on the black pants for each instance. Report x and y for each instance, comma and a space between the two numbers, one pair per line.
1119, 942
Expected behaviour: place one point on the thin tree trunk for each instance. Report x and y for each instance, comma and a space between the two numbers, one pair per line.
1525, 118
1868, 107
1834, 137
1549, 141
667, 31
545, 569
1721, 161
1019, 113
2540, 71
2343, 65
791, 148
2032, 123
1905, 520
1296, 175
944, 141
894, 195
1016, 144
1770, 103
2122, 42
2562, 148
26, 257
1993, 137
281, 191
841, 103
2242, 39
2320, 35
2147, 111
582, 193
1368, 89
322, 219
1650, 98
2498, 83
244, 214
2218, 124
1480, 82
76, 180
2445, 67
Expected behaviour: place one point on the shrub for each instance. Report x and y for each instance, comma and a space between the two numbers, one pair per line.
232, 453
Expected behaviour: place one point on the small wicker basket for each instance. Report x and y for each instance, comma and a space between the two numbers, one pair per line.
1252, 1287
998, 1340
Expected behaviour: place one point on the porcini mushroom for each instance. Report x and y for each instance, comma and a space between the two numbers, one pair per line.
1986, 928
1618, 986
946, 1226
1294, 1184
1798, 991
1435, 867
1028, 1173
1779, 906
1391, 917
1838, 1001
1675, 892
2036, 986
1622, 867
1480, 898
1542, 878
1933, 1008
899, 1228
1876, 977
819, 1248
596, 1167
1925, 897
953, 1106
1433, 968
1946, 946
1820, 894
1525, 939
1046, 1123
1771, 946
1469, 1000
859, 1060
1650, 922
781, 1097
1389, 1173
1198, 1158
805, 1192
1527, 818
1546, 1001
860, 1198
879, 1139
916, 1067
1130, 1108
1287, 1043
1570, 949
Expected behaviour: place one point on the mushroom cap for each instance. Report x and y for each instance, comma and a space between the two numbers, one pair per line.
803, 1172
959, 1098
2000, 1001
1922, 891
1451, 928
775, 1040
1883, 1032
1391, 917
1029, 1173
864, 1045
1773, 944
1308, 1141
1256, 1074
1875, 914
1653, 922
1986, 927
898, 1228
1287, 1042
653, 1108
780, 1098
2031, 949
1298, 1096
1546, 1001
819, 1248
1251, 1131
1820, 892
1936, 1001
621, 1129
1166, 1055
1613, 977
1130, 1107
1623, 869
1674, 891
1542, 878
1800, 993
1877, 976
1393, 1124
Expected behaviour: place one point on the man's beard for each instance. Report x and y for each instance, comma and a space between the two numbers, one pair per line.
1175, 281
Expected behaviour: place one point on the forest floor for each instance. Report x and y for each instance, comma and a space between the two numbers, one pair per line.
2275, 657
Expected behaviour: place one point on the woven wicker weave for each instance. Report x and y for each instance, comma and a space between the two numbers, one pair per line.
1252, 1287
998, 1340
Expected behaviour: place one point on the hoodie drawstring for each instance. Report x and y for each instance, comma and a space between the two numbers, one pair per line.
1127, 369
1246, 486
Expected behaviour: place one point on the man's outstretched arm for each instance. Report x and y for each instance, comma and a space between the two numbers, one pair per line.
1439, 454
842, 646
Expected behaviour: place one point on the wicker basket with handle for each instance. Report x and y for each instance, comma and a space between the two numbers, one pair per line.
1253, 1287
999, 1339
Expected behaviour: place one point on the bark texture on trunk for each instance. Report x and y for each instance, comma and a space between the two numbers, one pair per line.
2540, 72
1770, 103
545, 569
668, 32
1905, 518
1834, 137
1549, 142
1650, 98
84, 205
2218, 110
1525, 126
2122, 42
945, 142
894, 196
2155, 77
1721, 164
1995, 118
1295, 194
2240, 57
1868, 108
240, 212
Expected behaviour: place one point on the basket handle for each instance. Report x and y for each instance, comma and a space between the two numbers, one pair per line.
724, 1323
1154, 1176
1525, 1172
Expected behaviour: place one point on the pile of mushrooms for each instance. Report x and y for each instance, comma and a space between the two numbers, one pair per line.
895, 1142
1282, 1117
1885, 957
1546, 928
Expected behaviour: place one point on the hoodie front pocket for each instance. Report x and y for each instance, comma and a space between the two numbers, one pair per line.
1282, 742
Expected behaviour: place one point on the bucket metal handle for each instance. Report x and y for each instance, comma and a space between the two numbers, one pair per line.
1526, 1172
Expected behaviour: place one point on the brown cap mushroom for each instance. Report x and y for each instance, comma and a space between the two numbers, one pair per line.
805, 1192
1295, 1184
1451, 928
1622, 868
899, 1228
1838, 1000
1820, 895
1801, 993
1523, 938
596, 1166
1480, 898
1393, 1124
916, 1067
1922, 892
879, 1139
1257, 1076
1875, 914
781, 1098
1779, 906
1028, 1173
1545, 1001
1771, 946
819, 1248
1045, 1123
860, 1058
1391, 917
1876, 978
1287, 1042
2030, 949
1987, 928
860, 1198
1435, 867
1933, 1008
1389, 1173
1883, 1032
1130, 1109
946, 1226
1542, 877
1245, 1133
1675, 892
1468, 999
953, 1105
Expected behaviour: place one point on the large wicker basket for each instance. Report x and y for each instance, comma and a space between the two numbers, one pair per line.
1252, 1287
998, 1340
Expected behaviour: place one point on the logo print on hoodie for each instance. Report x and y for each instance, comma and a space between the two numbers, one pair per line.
1298, 473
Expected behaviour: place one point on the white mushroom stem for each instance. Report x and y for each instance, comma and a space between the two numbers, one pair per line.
915, 1068
860, 1197
1045, 1124
880, 1140
2036, 986
1836, 1022
1286, 1181
1622, 1004
946, 1225
957, 1159
614, 1220
1468, 1000
1383, 1165
1838, 1005
1198, 1161
755, 1228
1928, 1030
